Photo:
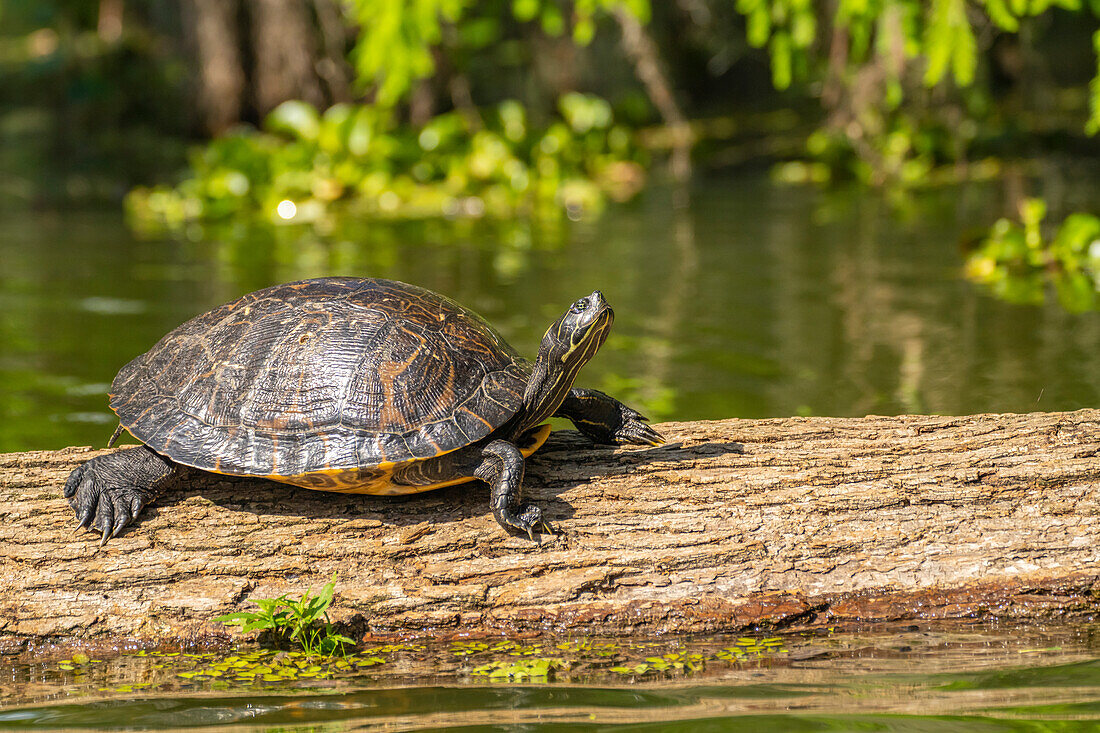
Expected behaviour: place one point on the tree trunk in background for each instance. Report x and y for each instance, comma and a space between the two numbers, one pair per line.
333, 65
220, 85
641, 49
734, 523
284, 46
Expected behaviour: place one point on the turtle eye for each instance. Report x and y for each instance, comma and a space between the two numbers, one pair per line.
580, 306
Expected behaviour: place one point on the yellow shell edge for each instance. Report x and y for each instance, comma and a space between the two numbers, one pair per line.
376, 481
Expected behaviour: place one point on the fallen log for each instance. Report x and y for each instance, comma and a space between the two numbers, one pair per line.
733, 524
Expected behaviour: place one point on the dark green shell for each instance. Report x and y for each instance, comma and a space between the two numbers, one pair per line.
321, 375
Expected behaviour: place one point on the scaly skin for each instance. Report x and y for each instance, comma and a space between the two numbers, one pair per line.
108, 492
502, 469
606, 420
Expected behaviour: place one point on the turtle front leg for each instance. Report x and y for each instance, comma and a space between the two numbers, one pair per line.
502, 468
108, 492
606, 420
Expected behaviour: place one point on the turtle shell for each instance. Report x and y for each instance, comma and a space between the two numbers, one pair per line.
319, 378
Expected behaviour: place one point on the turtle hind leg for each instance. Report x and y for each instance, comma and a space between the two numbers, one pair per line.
606, 420
108, 492
502, 468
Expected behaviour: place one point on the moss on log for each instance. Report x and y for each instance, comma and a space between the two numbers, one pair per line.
734, 523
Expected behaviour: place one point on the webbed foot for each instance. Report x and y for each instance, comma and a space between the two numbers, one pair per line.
607, 421
108, 492
634, 429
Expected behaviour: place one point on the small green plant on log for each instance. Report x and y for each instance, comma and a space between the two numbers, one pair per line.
303, 621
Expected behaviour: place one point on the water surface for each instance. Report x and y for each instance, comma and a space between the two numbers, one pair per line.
754, 300
912, 679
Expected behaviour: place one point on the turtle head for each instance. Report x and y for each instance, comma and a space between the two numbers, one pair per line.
566, 346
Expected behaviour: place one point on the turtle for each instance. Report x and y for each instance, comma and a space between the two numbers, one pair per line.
356, 385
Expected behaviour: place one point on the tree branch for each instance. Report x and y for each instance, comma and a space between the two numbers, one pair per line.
642, 51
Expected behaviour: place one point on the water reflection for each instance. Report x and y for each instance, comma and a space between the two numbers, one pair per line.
958, 678
747, 300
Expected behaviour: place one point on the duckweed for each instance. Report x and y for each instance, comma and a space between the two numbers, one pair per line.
266, 665
493, 661
512, 648
526, 670
745, 649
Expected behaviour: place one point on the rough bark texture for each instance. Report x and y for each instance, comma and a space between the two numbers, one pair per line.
734, 523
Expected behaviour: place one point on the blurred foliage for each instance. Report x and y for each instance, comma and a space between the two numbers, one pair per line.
907, 85
83, 117
307, 167
472, 109
394, 47
1018, 264
909, 90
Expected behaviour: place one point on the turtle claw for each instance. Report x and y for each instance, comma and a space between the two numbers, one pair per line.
84, 520
635, 429
539, 528
528, 521
607, 421
639, 433
546, 528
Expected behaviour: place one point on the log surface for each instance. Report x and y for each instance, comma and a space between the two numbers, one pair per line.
734, 523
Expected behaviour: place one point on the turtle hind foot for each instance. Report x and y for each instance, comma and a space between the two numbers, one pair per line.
108, 492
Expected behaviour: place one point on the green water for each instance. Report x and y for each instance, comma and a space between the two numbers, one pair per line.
752, 300
911, 679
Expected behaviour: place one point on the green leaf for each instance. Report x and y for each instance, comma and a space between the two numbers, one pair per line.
758, 23
950, 43
1076, 292
327, 592
295, 118
964, 60
1074, 238
479, 33
525, 10
1093, 124
1001, 15
781, 60
584, 30
258, 624
803, 29
553, 24
340, 638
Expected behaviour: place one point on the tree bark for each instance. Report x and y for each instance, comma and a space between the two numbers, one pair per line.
734, 523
